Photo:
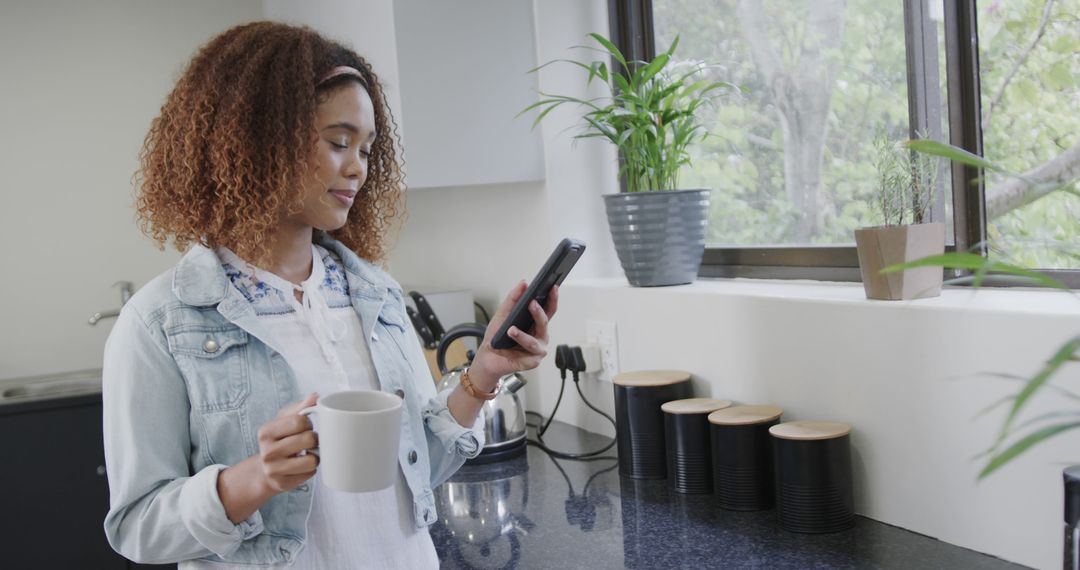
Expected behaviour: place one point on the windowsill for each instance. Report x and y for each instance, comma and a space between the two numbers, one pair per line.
1028, 301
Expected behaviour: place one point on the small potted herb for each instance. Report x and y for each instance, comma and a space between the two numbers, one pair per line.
905, 189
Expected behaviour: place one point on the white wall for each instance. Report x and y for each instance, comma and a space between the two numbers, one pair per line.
81, 83
903, 374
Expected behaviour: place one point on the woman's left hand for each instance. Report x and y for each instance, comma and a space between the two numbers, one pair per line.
490, 364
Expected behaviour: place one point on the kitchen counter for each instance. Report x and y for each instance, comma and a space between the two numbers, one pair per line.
538, 512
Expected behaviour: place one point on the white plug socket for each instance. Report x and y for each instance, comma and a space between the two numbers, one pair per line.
602, 334
593, 362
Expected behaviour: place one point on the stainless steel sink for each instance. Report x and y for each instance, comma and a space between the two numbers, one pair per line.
50, 386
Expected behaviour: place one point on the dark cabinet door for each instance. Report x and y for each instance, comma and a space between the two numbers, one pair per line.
55, 491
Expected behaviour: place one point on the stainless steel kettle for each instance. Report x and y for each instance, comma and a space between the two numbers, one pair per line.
504, 415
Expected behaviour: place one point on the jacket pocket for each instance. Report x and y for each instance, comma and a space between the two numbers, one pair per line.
226, 437
214, 362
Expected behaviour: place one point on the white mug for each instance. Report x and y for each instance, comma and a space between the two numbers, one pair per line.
359, 432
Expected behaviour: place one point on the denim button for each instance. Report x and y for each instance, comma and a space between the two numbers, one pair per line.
400, 393
412, 456
302, 488
210, 346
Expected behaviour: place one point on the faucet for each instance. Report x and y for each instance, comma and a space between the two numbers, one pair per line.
125, 295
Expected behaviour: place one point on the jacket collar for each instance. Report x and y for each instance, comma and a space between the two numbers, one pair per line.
200, 281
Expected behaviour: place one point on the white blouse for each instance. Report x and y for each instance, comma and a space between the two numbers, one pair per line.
322, 340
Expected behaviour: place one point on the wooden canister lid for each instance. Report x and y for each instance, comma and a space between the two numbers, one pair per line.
650, 378
810, 430
745, 415
694, 406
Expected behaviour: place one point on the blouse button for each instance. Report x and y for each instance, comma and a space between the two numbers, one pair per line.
210, 345
412, 457
400, 393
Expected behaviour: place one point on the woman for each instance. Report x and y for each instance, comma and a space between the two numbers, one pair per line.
273, 164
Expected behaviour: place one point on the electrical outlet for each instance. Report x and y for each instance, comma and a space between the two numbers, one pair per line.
602, 334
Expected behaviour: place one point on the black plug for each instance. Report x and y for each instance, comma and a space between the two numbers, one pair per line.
561, 359
576, 361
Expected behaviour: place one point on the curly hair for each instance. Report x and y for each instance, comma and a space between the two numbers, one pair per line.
224, 162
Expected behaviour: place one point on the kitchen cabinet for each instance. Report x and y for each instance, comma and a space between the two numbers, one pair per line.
56, 492
55, 486
462, 69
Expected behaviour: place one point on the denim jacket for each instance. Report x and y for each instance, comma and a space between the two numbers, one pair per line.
178, 408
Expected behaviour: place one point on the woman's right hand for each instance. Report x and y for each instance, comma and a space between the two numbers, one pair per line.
281, 441
278, 467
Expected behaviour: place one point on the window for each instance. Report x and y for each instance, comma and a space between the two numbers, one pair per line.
1029, 56
791, 164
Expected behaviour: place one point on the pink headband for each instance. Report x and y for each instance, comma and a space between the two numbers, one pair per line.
342, 70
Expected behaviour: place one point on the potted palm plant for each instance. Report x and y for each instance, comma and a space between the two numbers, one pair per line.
650, 113
904, 194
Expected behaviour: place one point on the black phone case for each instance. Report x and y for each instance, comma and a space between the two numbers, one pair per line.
554, 271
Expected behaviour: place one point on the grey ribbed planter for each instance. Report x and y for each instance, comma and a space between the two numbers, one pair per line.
659, 236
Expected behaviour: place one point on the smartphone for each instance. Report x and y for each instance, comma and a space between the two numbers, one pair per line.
552, 273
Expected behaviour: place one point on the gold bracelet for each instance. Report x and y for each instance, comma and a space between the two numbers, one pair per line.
471, 390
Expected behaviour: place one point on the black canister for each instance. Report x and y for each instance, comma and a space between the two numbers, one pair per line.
689, 453
813, 476
639, 422
1071, 560
742, 456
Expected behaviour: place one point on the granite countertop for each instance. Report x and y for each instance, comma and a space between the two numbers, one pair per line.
538, 512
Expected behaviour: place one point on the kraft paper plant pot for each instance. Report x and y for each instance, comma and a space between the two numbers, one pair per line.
882, 246
659, 236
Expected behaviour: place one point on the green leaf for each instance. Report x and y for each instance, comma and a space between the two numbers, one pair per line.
533, 106
577, 63
995, 405
1063, 355
998, 280
1066, 44
610, 47
671, 48
543, 114
602, 71
654, 67
1048, 416
620, 82
935, 148
971, 261
1028, 91
1059, 76
1014, 450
